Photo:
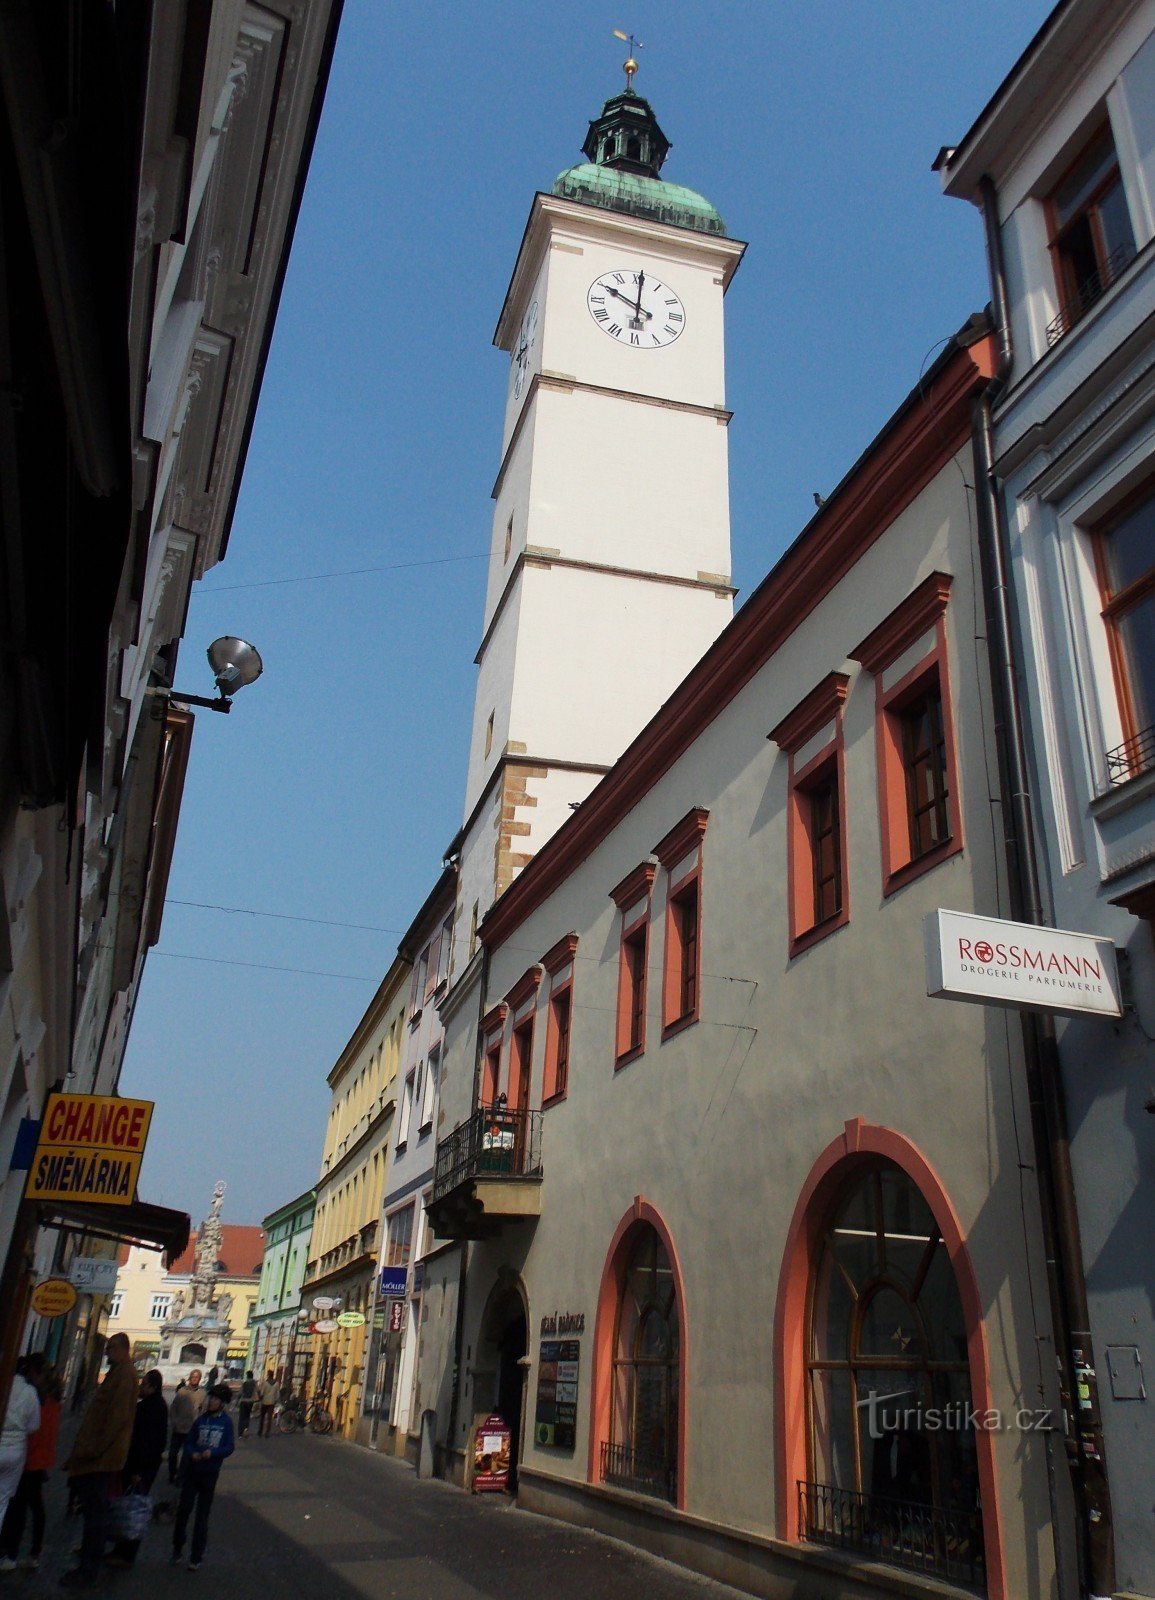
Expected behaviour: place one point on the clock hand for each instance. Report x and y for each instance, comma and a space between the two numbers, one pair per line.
638, 302
618, 295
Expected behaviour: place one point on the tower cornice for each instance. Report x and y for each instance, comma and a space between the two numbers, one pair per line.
555, 221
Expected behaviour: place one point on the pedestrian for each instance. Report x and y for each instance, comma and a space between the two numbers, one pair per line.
29, 1496
206, 1447
145, 1454
187, 1404
98, 1454
21, 1420
248, 1401
269, 1396
214, 1375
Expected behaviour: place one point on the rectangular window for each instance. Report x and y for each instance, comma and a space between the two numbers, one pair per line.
492, 1031
680, 853
1125, 557
399, 1237
159, 1308
417, 992
116, 1302
816, 870
432, 959
429, 1098
1091, 235
405, 1111
521, 1066
632, 897
924, 761
559, 963
919, 819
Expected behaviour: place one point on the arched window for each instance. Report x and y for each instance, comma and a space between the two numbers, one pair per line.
642, 1450
892, 1461
610, 147
633, 148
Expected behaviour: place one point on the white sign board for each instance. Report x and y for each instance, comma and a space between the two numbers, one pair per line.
97, 1277
993, 962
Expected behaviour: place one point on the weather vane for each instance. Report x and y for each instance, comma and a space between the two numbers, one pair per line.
630, 65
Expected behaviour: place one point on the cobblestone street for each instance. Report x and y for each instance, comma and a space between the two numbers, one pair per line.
309, 1516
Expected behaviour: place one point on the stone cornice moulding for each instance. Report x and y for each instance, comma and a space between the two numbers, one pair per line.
524, 989
560, 954
813, 711
635, 886
906, 624
682, 837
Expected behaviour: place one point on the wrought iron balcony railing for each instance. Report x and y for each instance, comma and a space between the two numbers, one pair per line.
947, 1543
1089, 291
1132, 757
494, 1143
627, 1468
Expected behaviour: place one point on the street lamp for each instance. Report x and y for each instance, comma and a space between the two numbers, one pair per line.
234, 664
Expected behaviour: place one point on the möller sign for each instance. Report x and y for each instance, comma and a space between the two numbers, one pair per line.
992, 962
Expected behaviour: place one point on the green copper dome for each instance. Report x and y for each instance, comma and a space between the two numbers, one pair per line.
625, 149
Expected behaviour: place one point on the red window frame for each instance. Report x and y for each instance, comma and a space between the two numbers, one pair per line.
1077, 296
559, 964
1116, 605
680, 854
493, 1033
815, 765
900, 687
632, 898
522, 1004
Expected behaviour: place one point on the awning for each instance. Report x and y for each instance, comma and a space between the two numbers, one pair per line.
138, 1223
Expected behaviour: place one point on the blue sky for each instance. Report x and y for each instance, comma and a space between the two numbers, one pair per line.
326, 800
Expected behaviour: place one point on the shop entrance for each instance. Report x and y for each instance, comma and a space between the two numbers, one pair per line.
504, 1342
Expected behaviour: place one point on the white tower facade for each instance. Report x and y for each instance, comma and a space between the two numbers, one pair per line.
609, 570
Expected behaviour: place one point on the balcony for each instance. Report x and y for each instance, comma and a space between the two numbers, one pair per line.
488, 1173
1132, 757
1088, 292
942, 1542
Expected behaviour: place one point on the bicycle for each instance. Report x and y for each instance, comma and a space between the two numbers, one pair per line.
296, 1416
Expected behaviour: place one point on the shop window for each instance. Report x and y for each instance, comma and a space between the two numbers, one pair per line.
893, 1470
680, 854
559, 964
632, 897
816, 866
641, 1452
1092, 240
1125, 558
399, 1237
919, 817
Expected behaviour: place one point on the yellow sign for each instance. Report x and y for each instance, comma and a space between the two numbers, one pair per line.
53, 1297
90, 1148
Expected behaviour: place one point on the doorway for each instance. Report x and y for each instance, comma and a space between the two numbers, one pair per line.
503, 1346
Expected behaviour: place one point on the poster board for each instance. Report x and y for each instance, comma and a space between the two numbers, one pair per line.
555, 1415
490, 1454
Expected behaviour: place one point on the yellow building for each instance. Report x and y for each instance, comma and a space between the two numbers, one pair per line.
147, 1296
350, 1189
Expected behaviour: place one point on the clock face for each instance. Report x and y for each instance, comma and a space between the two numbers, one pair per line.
636, 309
523, 349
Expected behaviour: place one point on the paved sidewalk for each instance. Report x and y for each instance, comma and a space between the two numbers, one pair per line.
307, 1517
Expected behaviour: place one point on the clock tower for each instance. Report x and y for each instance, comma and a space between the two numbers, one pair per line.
609, 568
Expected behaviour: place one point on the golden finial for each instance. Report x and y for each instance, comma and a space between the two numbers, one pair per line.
629, 65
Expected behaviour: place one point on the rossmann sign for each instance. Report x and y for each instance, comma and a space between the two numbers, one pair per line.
992, 962
90, 1148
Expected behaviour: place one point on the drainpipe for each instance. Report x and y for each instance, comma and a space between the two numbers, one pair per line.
1066, 1281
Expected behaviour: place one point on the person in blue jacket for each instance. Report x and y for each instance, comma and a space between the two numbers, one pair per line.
209, 1443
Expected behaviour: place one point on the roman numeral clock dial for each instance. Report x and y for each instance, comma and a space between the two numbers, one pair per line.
635, 309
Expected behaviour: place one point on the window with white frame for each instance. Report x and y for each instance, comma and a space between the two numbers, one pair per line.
405, 1112
429, 1097
160, 1307
116, 1302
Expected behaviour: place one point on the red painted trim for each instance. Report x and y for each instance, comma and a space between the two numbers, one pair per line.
682, 837
605, 1327
858, 1142
922, 610
559, 954
519, 1094
551, 1096
524, 988
493, 1021
821, 705
909, 620
633, 886
930, 428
